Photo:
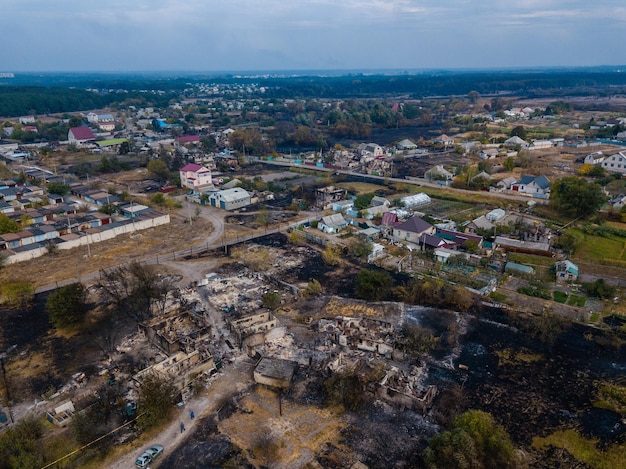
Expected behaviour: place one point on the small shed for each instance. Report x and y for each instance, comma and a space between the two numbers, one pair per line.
274, 372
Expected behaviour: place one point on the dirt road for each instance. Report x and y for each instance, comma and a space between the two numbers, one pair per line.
235, 377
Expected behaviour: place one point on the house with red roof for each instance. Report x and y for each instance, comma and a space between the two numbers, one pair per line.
80, 135
195, 176
188, 139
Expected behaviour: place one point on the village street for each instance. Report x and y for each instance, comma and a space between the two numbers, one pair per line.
233, 378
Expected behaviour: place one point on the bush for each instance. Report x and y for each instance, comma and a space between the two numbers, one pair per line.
560, 296
67, 305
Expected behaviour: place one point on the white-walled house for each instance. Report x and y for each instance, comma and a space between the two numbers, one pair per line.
195, 176
536, 186
615, 163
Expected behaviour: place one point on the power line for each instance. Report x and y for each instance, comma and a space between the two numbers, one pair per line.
90, 443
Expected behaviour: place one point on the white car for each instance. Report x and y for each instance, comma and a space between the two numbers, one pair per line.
143, 460
148, 456
154, 451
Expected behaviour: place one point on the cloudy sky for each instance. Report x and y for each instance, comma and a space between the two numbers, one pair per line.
218, 35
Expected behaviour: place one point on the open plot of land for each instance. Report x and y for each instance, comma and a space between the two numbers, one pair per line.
290, 440
600, 249
360, 187
75, 263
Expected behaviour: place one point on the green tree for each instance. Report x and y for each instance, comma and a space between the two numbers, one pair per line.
360, 247
18, 295
156, 397
58, 188
159, 170
476, 441
363, 201
7, 225
207, 144
67, 305
576, 196
599, 289
519, 131
509, 163
313, 288
373, 285
271, 300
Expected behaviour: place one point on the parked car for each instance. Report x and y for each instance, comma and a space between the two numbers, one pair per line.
143, 460
154, 451
148, 456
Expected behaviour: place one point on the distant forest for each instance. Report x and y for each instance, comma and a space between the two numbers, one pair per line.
27, 100
58, 93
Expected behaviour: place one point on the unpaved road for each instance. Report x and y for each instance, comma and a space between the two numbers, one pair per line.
234, 378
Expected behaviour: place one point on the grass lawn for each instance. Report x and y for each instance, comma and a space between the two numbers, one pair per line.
531, 259
575, 300
600, 249
559, 296
361, 187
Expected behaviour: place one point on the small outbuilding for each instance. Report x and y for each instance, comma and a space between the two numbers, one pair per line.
274, 372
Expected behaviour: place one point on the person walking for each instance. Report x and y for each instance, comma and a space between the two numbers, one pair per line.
182, 427
192, 415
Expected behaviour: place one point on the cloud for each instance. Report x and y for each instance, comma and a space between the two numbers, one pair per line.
245, 34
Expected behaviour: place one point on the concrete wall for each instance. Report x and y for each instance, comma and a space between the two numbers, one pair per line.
93, 238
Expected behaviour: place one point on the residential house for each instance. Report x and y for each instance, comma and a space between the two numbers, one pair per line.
616, 202
412, 230
342, 205
406, 144
438, 173
566, 271
535, 186
515, 141
325, 196
597, 157
506, 183
108, 126
459, 238
188, 140
195, 176
615, 163
369, 150
444, 140
332, 223
80, 135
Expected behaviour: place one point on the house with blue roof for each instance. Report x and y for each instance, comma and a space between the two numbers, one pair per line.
566, 271
535, 186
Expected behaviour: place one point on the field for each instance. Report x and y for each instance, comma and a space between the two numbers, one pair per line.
74, 263
360, 187
610, 250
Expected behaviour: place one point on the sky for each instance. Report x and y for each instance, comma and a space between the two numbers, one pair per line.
238, 35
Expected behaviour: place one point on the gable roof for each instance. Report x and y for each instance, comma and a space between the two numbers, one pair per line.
191, 167
188, 139
389, 218
82, 133
414, 225
541, 181
335, 220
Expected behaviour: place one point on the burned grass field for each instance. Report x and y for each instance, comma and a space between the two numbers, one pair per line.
536, 383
